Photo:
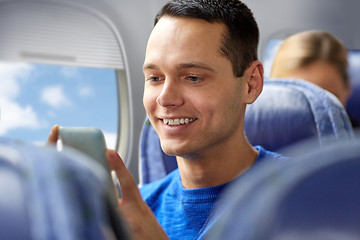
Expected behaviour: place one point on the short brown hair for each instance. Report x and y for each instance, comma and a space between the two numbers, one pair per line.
241, 40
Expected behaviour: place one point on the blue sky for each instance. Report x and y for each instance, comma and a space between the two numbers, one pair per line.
34, 97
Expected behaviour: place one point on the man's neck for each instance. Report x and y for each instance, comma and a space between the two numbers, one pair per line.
216, 167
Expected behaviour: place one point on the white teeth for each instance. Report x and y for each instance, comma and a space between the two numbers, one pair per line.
178, 121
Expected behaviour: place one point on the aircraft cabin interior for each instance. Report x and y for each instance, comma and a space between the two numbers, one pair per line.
79, 64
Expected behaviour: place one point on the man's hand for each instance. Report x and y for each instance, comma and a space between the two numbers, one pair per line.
137, 214
142, 222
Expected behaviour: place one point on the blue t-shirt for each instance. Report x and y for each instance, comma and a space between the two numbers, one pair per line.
183, 213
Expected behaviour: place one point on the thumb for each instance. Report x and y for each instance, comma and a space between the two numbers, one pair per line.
54, 134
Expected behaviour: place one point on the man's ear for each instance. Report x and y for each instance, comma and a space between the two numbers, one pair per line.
254, 77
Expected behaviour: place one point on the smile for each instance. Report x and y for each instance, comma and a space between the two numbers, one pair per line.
178, 121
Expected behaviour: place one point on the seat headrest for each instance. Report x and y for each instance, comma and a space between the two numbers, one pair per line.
291, 110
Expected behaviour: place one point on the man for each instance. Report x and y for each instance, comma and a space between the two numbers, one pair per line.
201, 70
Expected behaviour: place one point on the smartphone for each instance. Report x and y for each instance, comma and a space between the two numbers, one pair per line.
90, 141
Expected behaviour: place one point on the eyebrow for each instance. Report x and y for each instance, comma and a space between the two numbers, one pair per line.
196, 65
183, 66
150, 66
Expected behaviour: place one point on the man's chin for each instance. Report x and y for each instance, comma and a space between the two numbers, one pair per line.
173, 149
170, 151
177, 148
181, 152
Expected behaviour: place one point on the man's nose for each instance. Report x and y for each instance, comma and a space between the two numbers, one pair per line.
171, 94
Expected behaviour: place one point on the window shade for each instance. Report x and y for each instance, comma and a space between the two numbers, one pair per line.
49, 32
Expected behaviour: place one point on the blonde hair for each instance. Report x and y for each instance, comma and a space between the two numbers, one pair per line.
302, 49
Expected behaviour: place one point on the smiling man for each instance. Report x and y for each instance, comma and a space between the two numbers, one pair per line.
188, 79
201, 70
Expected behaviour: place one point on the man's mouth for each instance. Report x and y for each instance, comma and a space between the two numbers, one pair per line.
177, 121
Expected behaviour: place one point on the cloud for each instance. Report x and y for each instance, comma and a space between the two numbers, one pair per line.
55, 96
14, 116
86, 91
69, 72
10, 76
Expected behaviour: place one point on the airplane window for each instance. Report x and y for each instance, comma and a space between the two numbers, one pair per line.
354, 66
270, 50
354, 99
93, 92
34, 97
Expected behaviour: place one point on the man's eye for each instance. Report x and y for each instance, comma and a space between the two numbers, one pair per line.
154, 79
193, 78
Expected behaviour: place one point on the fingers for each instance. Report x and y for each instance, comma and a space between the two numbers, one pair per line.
136, 212
129, 189
54, 134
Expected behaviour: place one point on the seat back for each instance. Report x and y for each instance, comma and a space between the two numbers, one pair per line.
47, 195
154, 163
314, 196
286, 112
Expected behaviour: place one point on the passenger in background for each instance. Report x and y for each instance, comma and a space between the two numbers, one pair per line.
317, 57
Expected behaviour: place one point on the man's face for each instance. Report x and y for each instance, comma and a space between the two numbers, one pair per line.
191, 95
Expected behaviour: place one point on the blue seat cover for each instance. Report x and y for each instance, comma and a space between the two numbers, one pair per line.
49, 195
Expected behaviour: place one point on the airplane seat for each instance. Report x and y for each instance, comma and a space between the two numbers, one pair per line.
49, 195
286, 112
314, 196
292, 110
12, 202
154, 163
